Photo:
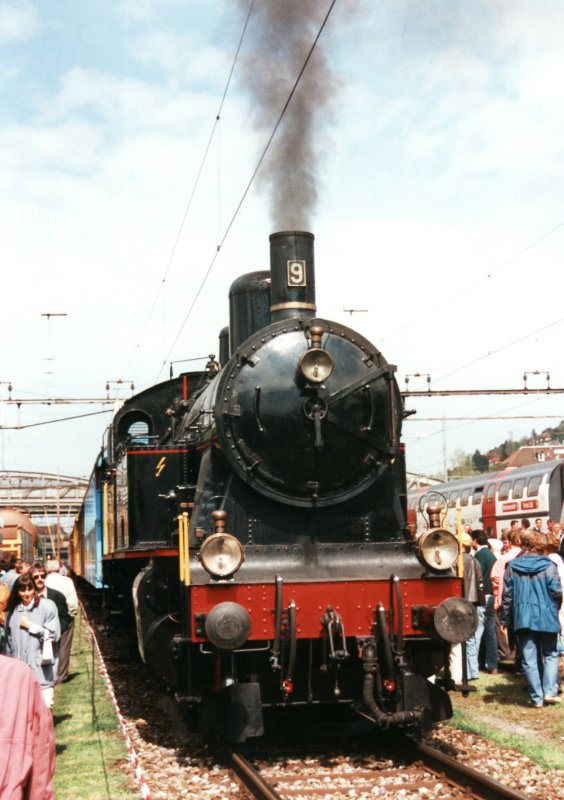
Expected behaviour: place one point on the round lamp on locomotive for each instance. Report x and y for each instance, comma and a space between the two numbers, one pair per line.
221, 555
316, 364
437, 547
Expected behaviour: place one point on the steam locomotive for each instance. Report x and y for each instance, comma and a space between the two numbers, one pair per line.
249, 522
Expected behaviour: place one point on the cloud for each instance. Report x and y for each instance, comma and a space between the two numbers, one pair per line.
18, 22
443, 160
141, 10
184, 59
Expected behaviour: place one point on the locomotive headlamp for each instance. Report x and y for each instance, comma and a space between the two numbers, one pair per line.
221, 555
438, 548
316, 364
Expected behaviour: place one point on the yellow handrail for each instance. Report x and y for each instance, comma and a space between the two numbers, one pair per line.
105, 529
186, 522
459, 534
181, 547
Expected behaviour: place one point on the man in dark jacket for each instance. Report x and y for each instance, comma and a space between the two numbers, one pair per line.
473, 591
532, 596
486, 560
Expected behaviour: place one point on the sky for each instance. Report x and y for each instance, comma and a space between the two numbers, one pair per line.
433, 139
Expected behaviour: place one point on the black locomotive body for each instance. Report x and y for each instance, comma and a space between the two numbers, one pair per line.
254, 523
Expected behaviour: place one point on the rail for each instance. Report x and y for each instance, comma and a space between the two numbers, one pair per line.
251, 778
482, 786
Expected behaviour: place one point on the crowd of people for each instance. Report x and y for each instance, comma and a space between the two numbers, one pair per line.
38, 606
515, 583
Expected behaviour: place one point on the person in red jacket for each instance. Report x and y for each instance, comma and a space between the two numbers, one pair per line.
27, 751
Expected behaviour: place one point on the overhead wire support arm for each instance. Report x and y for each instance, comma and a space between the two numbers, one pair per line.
118, 383
525, 390
473, 392
59, 401
537, 372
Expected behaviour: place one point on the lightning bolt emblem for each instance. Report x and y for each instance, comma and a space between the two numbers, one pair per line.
160, 466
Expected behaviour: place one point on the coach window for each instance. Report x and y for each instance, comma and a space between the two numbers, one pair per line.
452, 498
464, 497
533, 486
504, 491
518, 488
477, 496
490, 491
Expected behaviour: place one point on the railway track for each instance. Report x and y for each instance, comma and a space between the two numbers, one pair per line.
318, 764
422, 771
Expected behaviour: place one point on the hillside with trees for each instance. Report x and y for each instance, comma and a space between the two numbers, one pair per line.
463, 464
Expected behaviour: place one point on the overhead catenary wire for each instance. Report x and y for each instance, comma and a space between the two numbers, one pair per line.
52, 421
499, 349
464, 291
247, 188
494, 352
192, 194
464, 422
507, 262
223, 239
479, 418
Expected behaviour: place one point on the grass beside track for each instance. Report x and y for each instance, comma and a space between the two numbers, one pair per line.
92, 762
500, 711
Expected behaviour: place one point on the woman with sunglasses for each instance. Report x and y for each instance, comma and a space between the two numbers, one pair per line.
30, 621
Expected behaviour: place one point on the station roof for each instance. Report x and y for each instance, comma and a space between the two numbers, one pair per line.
42, 493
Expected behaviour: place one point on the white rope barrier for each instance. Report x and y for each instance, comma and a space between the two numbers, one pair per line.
133, 757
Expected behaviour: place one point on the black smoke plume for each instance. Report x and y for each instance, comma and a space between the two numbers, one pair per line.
279, 37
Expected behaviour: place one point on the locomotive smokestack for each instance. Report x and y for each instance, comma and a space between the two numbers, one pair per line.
292, 274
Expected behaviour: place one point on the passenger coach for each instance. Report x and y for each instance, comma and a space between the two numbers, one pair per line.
490, 501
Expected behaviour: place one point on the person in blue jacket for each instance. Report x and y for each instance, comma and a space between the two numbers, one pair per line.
532, 596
